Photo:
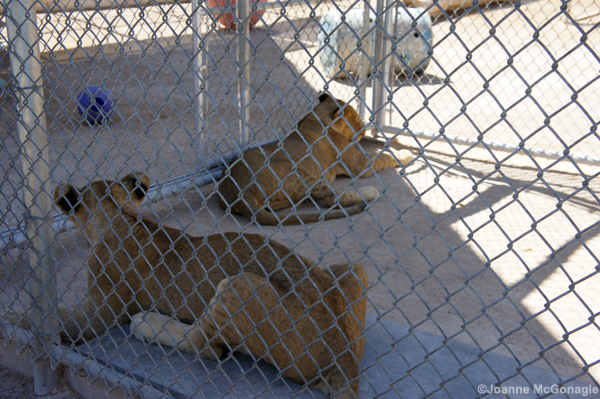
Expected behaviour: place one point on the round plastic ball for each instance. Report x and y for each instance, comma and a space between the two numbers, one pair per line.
95, 104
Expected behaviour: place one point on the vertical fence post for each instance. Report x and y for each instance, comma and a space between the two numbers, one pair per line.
199, 78
377, 57
382, 58
366, 59
25, 60
387, 67
243, 30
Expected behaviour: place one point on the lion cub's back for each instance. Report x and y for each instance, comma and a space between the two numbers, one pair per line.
278, 157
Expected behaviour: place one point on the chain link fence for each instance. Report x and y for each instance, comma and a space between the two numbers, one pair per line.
481, 253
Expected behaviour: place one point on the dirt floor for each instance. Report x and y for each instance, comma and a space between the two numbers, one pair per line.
497, 249
17, 386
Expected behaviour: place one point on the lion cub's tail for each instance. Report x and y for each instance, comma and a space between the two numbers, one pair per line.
287, 217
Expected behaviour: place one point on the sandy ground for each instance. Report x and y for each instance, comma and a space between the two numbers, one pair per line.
17, 386
492, 248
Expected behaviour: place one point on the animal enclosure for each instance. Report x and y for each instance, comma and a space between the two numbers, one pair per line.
481, 253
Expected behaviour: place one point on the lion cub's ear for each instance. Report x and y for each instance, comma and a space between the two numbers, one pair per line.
332, 108
330, 105
324, 97
137, 184
67, 198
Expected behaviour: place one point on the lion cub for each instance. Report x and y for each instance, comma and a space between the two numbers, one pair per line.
244, 292
274, 176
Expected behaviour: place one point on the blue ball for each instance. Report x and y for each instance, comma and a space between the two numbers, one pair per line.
95, 104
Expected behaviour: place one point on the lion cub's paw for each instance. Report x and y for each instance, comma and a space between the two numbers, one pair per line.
369, 192
156, 328
141, 327
404, 156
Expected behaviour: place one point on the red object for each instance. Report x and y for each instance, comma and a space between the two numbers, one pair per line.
227, 19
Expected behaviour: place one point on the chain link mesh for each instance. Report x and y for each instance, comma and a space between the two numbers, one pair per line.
481, 254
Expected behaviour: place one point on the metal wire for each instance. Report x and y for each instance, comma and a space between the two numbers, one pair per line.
481, 252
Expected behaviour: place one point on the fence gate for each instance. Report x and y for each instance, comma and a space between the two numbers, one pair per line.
480, 247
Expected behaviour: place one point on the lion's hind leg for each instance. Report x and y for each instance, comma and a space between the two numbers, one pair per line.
253, 315
293, 329
237, 315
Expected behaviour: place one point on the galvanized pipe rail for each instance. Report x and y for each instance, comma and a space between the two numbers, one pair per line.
26, 66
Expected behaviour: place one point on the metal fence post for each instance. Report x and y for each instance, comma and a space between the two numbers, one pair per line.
199, 44
31, 125
366, 59
386, 70
377, 57
382, 58
243, 30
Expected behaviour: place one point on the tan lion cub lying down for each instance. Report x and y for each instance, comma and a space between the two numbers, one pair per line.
241, 291
272, 177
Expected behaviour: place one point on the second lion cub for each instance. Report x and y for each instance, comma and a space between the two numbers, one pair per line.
236, 291
324, 145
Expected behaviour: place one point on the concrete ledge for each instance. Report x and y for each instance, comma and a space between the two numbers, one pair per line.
396, 364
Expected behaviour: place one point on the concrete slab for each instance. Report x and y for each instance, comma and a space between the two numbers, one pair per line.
398, 363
